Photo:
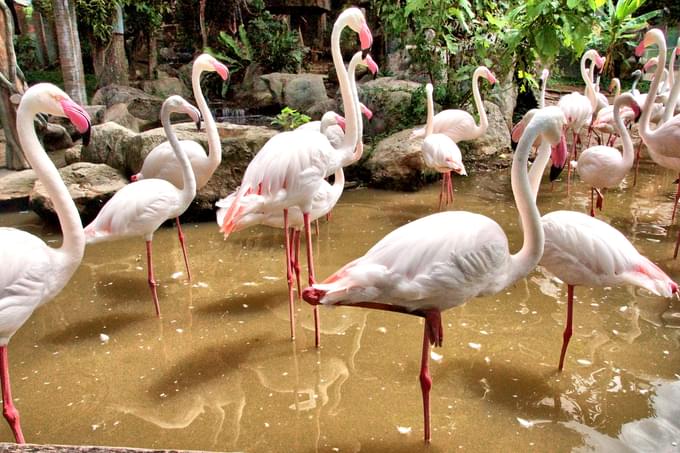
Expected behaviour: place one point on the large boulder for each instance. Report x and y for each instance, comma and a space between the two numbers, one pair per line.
387, 97
106, 146
15, 188
118, 113
397, 163
166, 86
277, 90
495, 141
139, 104
55, 136
90, 186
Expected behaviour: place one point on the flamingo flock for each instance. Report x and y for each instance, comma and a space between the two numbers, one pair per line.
422, 268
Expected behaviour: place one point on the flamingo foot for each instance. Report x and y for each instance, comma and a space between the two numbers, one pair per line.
8, 409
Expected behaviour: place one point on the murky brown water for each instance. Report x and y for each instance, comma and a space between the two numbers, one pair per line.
218, 371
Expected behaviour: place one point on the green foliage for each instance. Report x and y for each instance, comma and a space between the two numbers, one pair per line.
98, 17
235, 51
55, 77
27, 55
618, 30
290, 119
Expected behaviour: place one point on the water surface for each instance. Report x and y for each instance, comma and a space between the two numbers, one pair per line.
219, 372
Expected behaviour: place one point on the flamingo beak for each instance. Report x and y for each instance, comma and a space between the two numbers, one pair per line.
640, 49
491, 78
559, 158
372, 65
637, 111
341, 122
365, 37
221, 69
79, 117
368, 113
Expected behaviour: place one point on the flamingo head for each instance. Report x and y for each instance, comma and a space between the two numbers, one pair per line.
558, 156
208, 63
372, 65
518, 130
354, 19
313, 295
47, 98
650, 64
180, 105
652, 36
545, 74
340, 120
429, 89
134, 178
368, 113
488, 75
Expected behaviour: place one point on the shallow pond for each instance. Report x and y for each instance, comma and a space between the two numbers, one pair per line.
219, 372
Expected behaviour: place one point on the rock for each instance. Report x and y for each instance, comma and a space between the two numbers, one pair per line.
140, 104
166, 86
495, 141
318, 109
15, 188
397, 163
106, 146
90, 186
96, 113
303, 91
387, 97
277, 90
56, 137
73, 154
118, 113
505, 97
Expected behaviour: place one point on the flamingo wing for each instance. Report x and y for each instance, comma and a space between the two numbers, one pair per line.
161, 163
666, 138
458, 125
442, 154
438, 261
601, 166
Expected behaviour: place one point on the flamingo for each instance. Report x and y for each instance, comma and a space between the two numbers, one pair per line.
291, 166
442, 260
459, 125
257, 212
604, 120
141, 207
581, 250
161, 162
578, 109
663, 143
604, 166
34, 273
332, 125
675, 87
441, 153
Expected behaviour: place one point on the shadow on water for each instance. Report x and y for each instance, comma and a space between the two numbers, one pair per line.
88, 331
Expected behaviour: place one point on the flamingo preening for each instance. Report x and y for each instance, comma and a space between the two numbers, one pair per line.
34, 273
443, 260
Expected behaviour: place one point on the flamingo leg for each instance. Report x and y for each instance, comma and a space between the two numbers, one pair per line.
566, 336
677, 245
8, 409
152, 281
637, 163
441, 191
312, 280
296, 261
316, 227
450, 186
180, 235
573, 153
675, 202
432, 334
592, 202
289, 274
600, 199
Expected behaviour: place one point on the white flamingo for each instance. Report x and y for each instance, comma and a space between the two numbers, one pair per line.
141, 207
442, 260
161, 162
34, 273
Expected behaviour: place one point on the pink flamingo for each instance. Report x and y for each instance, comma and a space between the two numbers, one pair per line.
332, 125
603, 166
441, 153
291, 166
161, 162
141, 207
442, 260
663, 143
34, 273
582, 250
578, 109
459, 125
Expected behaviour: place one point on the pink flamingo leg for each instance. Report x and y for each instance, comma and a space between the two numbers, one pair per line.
675, 202
316, 227
637, 163
10, 412
180, 234
289, 275
677, 245
296, 262
432, 334
592, 202
441, 191
572, 153
312, 280
451, 186
152, 281
566, 336
600, 199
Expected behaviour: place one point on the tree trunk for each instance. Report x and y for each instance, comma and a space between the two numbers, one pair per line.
10, 84
69, 50
153, 53
201, 22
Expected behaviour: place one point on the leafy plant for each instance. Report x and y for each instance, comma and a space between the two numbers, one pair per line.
276, 47
236, 52
290, 119
27, 55
617, 31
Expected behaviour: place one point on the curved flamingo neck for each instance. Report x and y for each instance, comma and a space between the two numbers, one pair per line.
617, 87
628, 153
73, 245
353, 63
541, 100
429, 126
590, 89
669, 112
483, 120
349, 142
188, 192
522, 262
645, 131
214, 145
538, 167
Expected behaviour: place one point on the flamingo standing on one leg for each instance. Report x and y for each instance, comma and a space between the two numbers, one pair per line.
441, 153
141, 207
161, 162
34, 273
443, 260
578, 109
603, 166
291, 166
663, 143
